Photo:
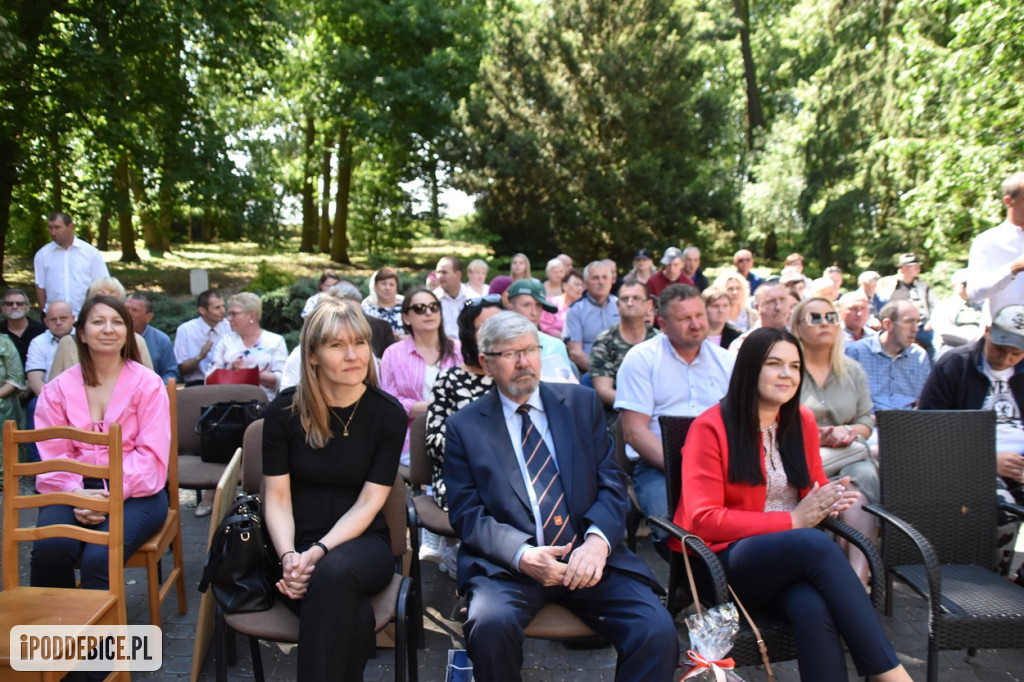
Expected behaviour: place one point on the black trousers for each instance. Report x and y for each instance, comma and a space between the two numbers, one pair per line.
336, 620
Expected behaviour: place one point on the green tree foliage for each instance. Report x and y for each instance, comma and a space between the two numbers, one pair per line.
594, 129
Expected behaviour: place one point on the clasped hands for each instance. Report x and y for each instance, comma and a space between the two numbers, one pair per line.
836, 436
88, 517
584, 568
297, 570
823, 501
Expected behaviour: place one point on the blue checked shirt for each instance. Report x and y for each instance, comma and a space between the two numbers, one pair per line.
895, 383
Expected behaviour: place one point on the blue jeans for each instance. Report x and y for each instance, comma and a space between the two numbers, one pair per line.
53, 561
649, 483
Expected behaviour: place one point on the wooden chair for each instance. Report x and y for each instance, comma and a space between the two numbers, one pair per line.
280, 624
939, 513
169, 536
193, 472
776, 632
20, 605
223, 499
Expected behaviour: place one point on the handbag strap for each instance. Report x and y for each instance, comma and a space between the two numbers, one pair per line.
750, 621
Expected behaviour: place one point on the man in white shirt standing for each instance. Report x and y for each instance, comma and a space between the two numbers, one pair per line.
997, 255
66, 267
195, 339
678, 373
452, 293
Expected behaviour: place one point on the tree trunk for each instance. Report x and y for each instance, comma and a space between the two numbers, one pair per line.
56, 182
150, 234
309, 217
339, 243
325, 196
165, 200
435, 201
123, 202
103, 240
741, 10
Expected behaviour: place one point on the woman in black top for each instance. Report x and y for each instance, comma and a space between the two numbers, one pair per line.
330, 455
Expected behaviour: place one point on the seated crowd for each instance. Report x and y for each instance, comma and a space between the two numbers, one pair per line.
525, 384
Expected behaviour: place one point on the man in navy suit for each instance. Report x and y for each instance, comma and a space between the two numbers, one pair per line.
533, 533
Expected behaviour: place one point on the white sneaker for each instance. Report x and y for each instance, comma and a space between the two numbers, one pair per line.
449, 561
431, 546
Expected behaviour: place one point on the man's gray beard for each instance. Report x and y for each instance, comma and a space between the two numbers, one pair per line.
17, 314
517, 391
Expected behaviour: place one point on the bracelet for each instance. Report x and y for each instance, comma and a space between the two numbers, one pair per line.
290, 551
321, 546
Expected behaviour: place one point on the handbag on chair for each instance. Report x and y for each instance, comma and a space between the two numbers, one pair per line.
221, 427
239, 566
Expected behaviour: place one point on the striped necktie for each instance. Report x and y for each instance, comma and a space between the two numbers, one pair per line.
558, 528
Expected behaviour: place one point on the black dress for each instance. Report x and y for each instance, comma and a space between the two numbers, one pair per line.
336, 616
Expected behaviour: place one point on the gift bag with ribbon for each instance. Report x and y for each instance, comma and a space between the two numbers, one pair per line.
712, 635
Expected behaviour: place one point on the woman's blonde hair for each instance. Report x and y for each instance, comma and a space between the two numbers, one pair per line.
248, 302
106, 284
332, 319
723, 280
837, 358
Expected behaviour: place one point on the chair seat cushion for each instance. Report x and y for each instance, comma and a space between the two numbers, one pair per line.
432, 517
194, 473
277, 624
969, 591
385, 602
554, 621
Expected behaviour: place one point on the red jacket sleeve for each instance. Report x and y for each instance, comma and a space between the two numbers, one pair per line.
721, 512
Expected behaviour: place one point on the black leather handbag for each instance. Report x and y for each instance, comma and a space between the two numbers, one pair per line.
239, 566
221, 427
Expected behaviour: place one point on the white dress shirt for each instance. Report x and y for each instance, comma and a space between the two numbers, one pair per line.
65, 274
189, 340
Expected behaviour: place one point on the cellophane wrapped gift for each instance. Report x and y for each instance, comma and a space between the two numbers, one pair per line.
712, 633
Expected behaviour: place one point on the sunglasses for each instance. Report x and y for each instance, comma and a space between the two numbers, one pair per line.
818, 319
422, 308
489, 299
15, 304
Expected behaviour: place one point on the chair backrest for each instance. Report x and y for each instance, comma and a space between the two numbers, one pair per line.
191, 400
252, 482
111, 506
673, 437
252, 458
620, 448
420, 470
938, 472
172, 460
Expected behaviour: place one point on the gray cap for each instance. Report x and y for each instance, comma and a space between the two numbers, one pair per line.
1008, 327
671, 253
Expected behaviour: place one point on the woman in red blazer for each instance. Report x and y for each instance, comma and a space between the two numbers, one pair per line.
753, 489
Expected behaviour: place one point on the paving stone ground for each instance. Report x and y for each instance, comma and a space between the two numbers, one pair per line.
544, 661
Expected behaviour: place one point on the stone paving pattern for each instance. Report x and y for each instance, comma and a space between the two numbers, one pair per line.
544, 661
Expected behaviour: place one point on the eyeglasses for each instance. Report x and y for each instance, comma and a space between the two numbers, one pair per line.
818, 319
527, 352
489, 299
632, 299
16, 304
422, 308
744, 260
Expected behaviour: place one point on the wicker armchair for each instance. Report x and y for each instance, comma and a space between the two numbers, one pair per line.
778, 636
939, 512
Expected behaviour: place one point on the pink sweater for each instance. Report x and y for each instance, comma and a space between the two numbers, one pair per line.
139, 403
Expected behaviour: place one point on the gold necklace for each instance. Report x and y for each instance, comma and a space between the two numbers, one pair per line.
344, 424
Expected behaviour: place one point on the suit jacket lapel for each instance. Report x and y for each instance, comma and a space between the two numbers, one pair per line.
493, 422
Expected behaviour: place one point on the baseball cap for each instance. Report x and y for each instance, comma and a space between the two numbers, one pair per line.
1008, 326
643, 253
907, 259
533, 288
671, 253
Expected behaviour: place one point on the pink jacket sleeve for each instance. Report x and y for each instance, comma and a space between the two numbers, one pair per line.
139, 403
